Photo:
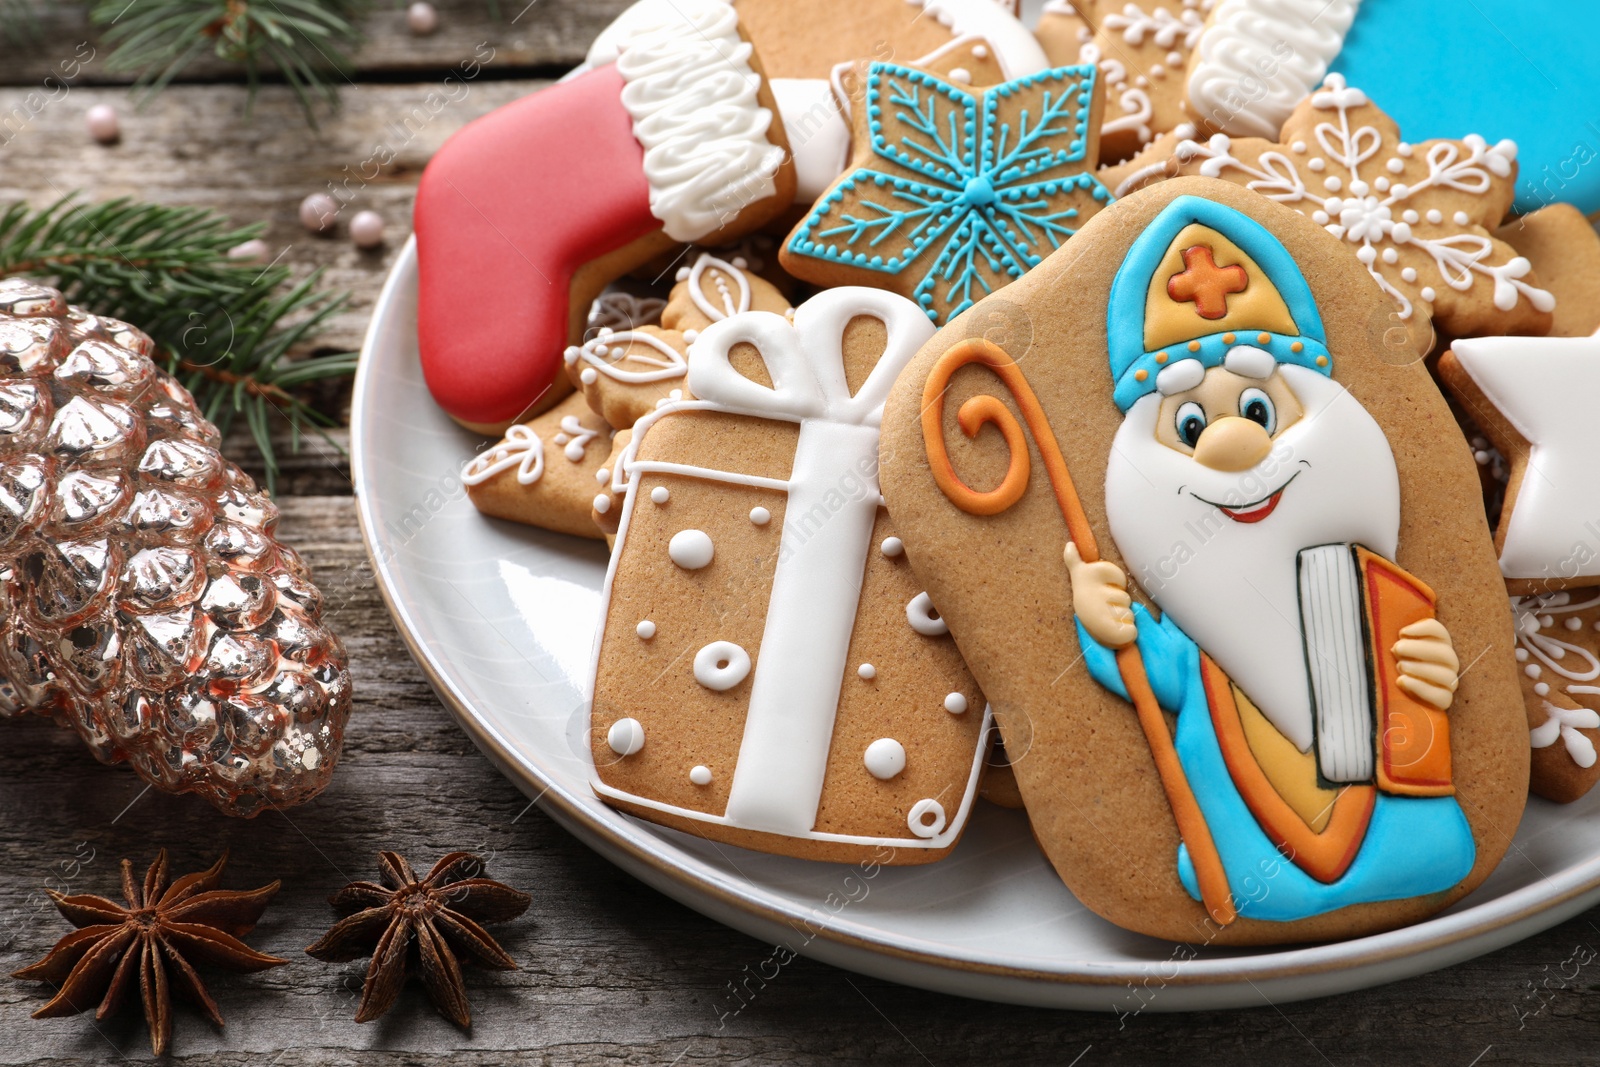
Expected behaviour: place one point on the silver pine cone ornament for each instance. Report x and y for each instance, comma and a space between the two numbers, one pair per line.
144, 599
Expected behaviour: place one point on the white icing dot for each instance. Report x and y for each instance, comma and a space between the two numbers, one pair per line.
1317, 163
885, 758
1427, 293
589, 376
1522, 653
660, 494
602, 475
683, 274
1481, 458
1367, 254
602, 503
1391, 256
1298, 147
1319, 217
1381, 184
1541, 689
760, 516
1462, 218
1410, 216
721, 665
560, 439
1435, 216
961, 76
1533, 670
926, 818
676, 394
980, 51
892, 547
1546, 621
1174, 58
1403, 148
691, 549
690, 336
1332, 183
646, 629
867, 672
1359, 187
924, 619
625, 737
1395, 166
955, 703
1408, 274
700, 775
1574, 623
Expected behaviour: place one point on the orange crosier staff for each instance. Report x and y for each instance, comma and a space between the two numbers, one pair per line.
985, 408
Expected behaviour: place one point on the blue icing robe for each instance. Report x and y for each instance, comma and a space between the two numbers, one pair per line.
1413, 845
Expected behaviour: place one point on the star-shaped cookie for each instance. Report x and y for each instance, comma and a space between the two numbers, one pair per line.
1534, 399
952, 192
1419, 216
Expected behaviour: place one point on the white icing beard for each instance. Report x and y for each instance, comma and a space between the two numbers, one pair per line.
1233, 586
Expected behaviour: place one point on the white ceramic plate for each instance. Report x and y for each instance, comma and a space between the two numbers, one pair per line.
502, 618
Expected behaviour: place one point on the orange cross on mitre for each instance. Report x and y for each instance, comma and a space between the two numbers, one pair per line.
1205, 283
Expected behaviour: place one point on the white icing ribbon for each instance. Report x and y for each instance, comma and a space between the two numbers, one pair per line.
693, 96
521, 448
816, 588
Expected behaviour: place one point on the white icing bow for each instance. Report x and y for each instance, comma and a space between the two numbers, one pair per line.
805, 358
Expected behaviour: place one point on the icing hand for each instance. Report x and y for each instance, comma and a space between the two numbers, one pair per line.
1429, 667
1100, 598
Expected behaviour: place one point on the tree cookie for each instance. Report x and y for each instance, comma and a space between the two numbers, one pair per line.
952, 194
1528, 396
769, 672
1268, 734
1418, 216
526, 214
544, 472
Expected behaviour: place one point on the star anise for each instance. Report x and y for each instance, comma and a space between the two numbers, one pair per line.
422, 924
155, 938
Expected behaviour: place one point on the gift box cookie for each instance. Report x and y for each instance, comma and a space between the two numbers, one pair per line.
769, 671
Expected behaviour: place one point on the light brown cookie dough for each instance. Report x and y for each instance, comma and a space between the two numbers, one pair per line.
544, 472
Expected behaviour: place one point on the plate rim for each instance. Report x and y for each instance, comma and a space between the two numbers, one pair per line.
1438, 941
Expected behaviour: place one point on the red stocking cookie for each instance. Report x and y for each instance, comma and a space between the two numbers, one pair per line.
528, 212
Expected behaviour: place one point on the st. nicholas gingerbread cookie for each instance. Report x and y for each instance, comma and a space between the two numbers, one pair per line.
1221, 566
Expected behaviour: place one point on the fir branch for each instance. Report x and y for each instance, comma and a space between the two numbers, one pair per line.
229, 331
308, 42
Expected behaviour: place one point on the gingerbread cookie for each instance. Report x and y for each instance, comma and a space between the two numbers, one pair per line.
1558, 653
526, 214
1529, 395
1565, 252
544, 472
1247, 518
770, 673
954, 193
1256, 60
1418, 216
1142, 49
625, 374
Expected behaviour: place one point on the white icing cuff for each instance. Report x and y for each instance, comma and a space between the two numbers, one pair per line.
693, 97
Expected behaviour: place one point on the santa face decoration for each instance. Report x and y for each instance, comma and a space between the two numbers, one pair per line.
1267, 581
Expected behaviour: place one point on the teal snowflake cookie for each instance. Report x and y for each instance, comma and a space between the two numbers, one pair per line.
956, 193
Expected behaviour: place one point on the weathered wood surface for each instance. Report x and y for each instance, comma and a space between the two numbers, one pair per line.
612, 972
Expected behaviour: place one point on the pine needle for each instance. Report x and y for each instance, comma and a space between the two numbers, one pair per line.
226, 329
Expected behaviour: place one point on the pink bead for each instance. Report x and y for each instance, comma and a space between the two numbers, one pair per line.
103, 124
318, 212
254, 250
366, 229
422, 18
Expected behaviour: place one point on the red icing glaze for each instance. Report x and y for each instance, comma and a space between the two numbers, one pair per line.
506, 213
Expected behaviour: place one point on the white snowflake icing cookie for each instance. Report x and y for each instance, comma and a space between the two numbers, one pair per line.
544, 472
1558, 656
1418, 216
770, 672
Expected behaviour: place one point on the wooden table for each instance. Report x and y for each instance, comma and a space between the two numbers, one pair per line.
611, 971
